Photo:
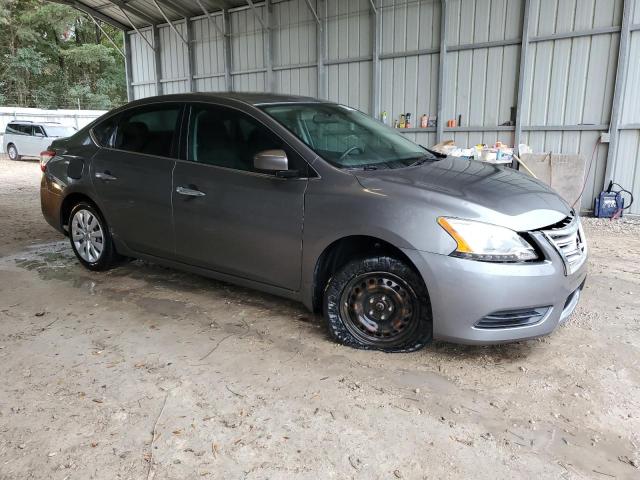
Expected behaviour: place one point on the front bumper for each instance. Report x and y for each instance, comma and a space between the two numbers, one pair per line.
464, 291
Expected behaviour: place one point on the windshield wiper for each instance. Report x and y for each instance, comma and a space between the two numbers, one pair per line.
434, 153
423, 159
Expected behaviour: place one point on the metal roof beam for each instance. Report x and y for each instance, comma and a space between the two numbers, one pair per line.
314, 13
255, 14
173, 27
93, 12
152, 47
123, 6
107, 35
212, 20
176, 7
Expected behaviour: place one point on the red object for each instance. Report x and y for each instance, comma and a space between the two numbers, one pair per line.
45, 157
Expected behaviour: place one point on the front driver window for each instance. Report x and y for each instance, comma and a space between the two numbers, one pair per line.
228, 138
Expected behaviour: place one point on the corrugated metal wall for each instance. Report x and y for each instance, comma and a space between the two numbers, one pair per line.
571, 80
208, 58
295, 54
567, 92
143, 64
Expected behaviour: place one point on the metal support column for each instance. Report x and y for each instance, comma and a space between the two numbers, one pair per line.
158, 60
442, 67
268, 54
126, 41
191, 58
376, 29
321, 47
522, 74
616, 107
228, 81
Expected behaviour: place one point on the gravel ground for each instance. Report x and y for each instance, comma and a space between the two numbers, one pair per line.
146, 372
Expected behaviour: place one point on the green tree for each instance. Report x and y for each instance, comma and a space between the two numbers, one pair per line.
53, 56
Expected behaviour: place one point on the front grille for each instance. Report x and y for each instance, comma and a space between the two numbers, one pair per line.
567, 237
513, 318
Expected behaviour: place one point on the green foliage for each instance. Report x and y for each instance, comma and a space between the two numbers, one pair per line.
53, 56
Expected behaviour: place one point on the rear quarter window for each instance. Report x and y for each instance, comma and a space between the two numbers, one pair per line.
18, 129
104, 133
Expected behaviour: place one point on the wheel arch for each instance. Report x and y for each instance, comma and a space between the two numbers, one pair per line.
70, 201
340, 251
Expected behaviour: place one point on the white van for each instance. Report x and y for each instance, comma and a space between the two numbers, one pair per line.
23, 138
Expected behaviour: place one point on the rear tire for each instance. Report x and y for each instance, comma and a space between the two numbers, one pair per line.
90, 238
378, 303
12, 152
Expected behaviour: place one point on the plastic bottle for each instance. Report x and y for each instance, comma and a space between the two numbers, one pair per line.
407, 123
384, 117
424, 121
402, 121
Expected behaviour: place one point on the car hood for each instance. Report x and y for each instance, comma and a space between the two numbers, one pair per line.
474, 190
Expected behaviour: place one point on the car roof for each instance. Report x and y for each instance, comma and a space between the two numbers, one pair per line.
251, 98
29, 122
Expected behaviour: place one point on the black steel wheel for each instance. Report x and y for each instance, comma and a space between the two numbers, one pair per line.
378, 303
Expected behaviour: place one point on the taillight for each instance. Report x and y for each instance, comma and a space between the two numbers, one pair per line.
45, 157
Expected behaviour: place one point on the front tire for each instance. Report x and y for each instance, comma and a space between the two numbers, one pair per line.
378, 303
12, 152
90, 238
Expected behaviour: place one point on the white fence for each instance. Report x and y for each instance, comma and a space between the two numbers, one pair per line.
72, 118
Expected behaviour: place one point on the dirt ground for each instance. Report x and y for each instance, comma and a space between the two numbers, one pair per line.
146, 372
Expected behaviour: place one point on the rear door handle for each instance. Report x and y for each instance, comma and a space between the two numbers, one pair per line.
189, 192
105, 176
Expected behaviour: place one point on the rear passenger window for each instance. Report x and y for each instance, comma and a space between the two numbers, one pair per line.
151, 130
18, 129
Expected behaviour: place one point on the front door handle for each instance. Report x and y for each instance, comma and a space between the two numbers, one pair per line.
105, 176
189, 192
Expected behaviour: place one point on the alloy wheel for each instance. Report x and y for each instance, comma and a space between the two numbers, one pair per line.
13, 152
87, 235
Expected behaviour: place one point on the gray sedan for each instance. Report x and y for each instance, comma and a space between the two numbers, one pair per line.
317, 202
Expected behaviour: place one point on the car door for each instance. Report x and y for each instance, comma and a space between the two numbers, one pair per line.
229, 217
40, 140
132, 175
25, 143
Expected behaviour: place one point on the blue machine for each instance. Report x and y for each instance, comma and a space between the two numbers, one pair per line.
610, 203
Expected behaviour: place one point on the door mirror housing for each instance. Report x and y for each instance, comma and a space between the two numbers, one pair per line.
273, 161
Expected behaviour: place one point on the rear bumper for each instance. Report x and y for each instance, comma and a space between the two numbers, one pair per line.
51, 203
463, 292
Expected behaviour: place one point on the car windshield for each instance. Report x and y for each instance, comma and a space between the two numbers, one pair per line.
59, 131
346, 137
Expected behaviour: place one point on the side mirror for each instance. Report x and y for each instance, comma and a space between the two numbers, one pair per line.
271, 161
38, 134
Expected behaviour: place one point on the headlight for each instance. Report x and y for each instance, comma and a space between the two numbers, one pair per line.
486, 242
